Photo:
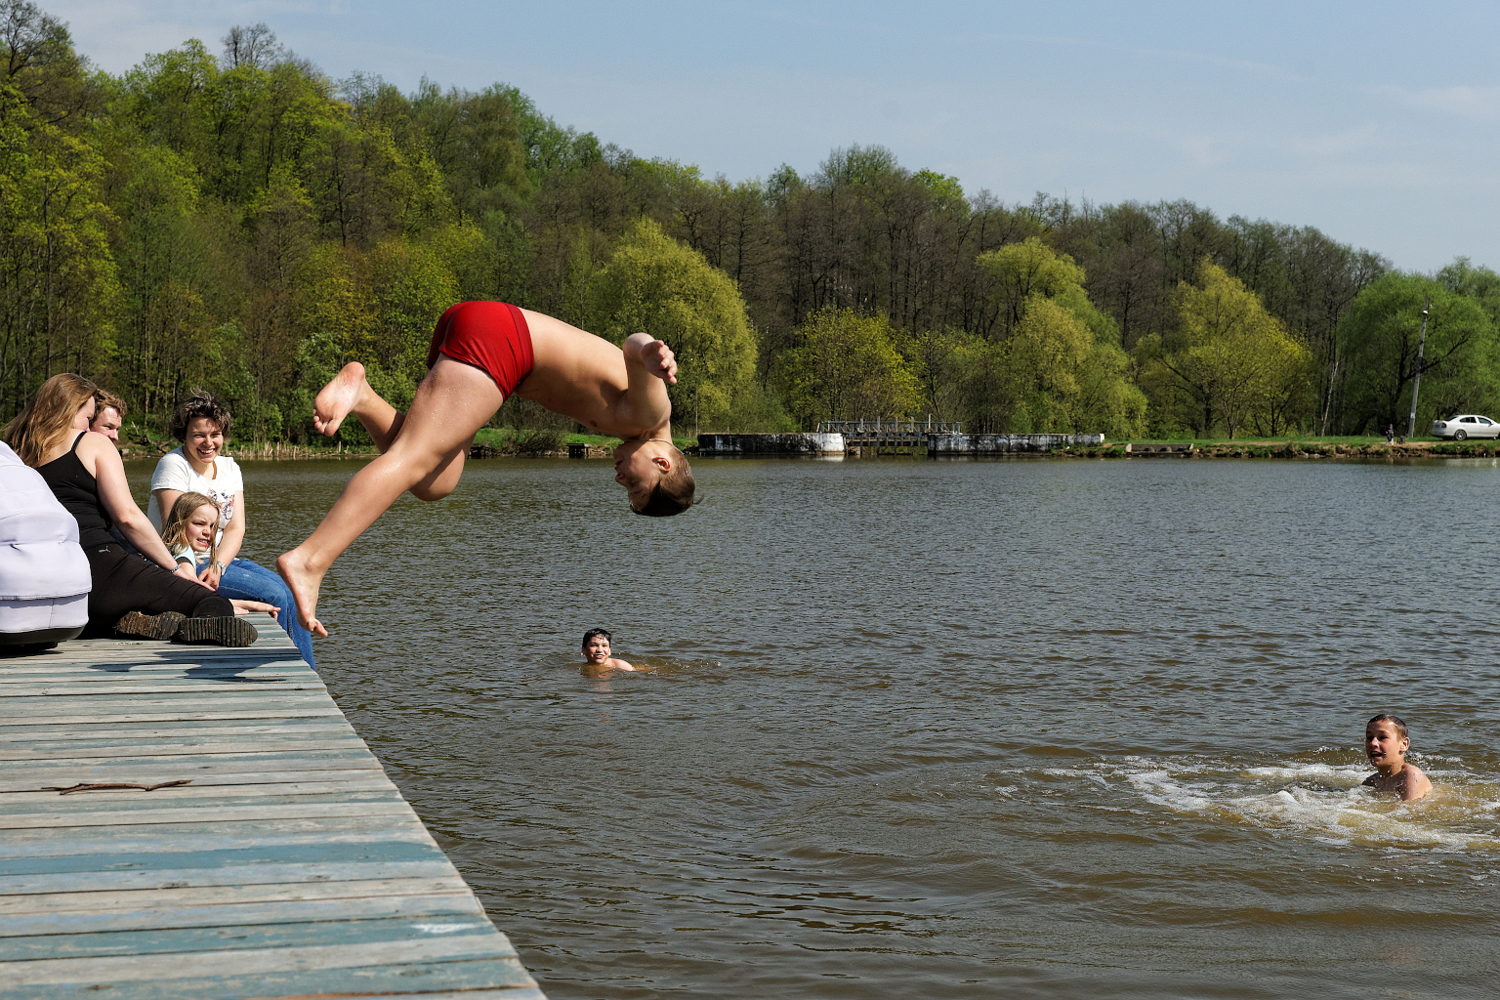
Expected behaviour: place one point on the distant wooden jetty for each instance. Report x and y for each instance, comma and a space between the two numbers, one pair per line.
1004, 444
185, 822
892, 435
770, 444
934, 437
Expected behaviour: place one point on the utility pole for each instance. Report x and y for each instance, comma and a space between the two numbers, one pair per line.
1411, 425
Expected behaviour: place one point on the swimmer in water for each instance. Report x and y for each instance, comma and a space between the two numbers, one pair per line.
1386, 744
596, 653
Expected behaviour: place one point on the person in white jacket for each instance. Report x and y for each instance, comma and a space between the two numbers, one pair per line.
44, 576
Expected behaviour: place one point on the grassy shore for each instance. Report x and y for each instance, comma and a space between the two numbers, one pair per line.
1307, 447
496, 442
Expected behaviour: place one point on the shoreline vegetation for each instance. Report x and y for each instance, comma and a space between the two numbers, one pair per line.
508, 442
240, 221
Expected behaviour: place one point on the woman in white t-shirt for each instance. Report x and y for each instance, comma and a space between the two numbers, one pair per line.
202, 424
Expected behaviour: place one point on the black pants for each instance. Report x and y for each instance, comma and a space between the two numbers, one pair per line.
125, 581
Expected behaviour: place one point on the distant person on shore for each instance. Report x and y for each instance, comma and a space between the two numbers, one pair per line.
202, 423
1386, 744
596, 653
109, 415
1390, 433
481, 353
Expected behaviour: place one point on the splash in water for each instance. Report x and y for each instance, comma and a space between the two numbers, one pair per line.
1325, 799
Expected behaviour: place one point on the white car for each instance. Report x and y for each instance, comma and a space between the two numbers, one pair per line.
1467, 425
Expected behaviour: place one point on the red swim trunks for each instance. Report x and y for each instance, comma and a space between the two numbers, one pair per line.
491, 336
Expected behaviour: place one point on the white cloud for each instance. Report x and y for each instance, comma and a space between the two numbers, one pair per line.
1477, 103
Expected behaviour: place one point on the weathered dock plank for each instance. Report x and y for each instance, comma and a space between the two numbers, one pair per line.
184, 900
288, 865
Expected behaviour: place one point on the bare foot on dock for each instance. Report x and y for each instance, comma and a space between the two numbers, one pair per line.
334, 402
304, 584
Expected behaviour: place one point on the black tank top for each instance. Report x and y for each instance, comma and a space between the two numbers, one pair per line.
79, 493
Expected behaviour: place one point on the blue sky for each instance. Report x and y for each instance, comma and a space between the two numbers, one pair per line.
1370, 121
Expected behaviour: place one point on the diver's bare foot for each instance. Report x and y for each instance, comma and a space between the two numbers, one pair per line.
337, 399
304, 584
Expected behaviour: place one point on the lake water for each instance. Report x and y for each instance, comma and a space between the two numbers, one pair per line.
941, 729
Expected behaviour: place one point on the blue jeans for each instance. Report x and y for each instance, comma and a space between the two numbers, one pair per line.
250, 581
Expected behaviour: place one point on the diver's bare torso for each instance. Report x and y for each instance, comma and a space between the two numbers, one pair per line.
589, 379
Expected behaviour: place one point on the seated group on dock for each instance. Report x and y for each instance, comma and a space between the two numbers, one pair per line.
136, 586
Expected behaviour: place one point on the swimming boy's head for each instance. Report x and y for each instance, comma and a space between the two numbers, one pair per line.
1386, 741
656, 475
596, 645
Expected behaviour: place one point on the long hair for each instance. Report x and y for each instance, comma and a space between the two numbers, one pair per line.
174, 528
48, 418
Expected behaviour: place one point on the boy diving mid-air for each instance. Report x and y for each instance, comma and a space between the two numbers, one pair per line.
481, 353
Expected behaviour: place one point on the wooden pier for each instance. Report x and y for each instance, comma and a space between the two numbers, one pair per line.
893, 434
274, 859
1006, 444
769, 444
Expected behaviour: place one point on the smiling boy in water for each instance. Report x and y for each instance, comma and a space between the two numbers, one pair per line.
482, 353
596, 653
1386, 744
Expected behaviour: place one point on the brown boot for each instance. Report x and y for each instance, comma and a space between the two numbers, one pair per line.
162, 626
229, 631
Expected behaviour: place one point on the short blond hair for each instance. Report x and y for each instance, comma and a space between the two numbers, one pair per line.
104, 399
673, 492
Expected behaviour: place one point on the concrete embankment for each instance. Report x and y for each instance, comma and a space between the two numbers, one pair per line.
1002, 444
770, 444
933, 444
1291, 449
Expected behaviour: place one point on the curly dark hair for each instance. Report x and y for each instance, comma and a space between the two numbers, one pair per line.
201, 403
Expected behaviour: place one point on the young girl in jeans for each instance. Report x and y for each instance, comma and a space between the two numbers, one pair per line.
189, 535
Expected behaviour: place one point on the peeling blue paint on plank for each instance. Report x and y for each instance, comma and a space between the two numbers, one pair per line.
418, 979
256, 873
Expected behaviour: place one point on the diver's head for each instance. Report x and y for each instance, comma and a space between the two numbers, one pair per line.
656, 475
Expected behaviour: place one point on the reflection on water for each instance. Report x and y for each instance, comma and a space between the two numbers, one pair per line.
941, 729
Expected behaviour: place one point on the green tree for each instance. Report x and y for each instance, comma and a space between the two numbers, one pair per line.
1028, 268
940, 361
1223, 355
1057, 363
37, 58
846, 367
1380, 335
59, 292
655, 284
1286, 389
1043, 357
476, 141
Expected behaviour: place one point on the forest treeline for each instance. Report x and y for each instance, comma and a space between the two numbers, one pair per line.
235, 219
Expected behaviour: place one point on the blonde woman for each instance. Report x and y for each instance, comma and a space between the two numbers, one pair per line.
136, 594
